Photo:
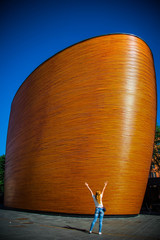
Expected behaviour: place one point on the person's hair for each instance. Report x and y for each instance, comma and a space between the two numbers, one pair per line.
98, 196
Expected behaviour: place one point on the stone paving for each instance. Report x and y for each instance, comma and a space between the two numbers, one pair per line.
26, 225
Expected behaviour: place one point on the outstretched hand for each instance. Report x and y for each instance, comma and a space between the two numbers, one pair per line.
88, 187
106, 183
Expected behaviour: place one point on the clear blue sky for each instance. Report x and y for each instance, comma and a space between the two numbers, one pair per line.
34, 30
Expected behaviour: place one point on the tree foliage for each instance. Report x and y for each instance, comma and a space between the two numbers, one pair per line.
156, 150
2, 166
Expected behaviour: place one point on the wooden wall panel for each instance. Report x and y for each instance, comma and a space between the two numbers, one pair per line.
87, 114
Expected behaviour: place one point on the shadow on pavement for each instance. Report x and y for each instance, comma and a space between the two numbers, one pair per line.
78, 229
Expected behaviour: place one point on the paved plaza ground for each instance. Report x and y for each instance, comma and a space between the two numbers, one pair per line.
36, 226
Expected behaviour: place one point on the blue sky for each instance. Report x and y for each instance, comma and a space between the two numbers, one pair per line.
32, 31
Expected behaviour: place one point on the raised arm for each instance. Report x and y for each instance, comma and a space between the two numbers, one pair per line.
89, 188
105, 184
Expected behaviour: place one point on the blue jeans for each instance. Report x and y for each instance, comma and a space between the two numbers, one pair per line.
98, 212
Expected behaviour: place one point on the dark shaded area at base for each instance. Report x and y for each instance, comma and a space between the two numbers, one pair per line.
72, 215
63, 214
151, 202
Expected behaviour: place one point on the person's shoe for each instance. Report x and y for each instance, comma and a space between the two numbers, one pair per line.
100, 233
90, 232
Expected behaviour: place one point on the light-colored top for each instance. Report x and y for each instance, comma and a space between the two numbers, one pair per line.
99, 205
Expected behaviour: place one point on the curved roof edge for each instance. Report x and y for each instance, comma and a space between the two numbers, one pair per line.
129, 34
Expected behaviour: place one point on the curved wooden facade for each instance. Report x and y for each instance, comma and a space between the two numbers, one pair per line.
87, 114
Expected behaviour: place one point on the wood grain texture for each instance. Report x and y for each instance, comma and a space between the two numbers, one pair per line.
87, 114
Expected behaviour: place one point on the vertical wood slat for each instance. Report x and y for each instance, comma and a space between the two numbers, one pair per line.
86, 114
